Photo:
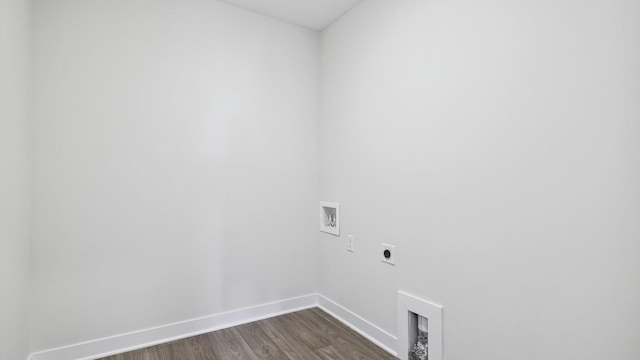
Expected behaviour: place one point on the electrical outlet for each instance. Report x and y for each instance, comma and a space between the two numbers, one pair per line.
351, 246
388, 254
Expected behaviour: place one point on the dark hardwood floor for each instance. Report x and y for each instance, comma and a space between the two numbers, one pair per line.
305, 335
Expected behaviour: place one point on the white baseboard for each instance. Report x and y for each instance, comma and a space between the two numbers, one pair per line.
370, 331
148, 337
117, 344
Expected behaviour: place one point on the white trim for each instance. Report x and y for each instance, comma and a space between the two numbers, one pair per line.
365, 328
117, 344
433, 313
328, 229
111, 345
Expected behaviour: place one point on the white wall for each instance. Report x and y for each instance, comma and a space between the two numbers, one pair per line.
15, 249
497, 145
176, 164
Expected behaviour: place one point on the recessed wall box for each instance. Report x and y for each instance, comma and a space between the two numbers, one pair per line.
330, 217
410, 310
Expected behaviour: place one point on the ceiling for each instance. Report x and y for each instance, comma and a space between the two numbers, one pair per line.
313, 14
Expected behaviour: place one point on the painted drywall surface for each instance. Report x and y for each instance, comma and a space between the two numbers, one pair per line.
315, 15
176, 164
15, 249
497, 145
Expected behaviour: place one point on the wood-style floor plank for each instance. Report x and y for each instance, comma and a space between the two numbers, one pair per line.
143, 354
228, 344
201, 348
357, 340
260, 343
330, 353
177, 350
305, 335
292, 347
346, 344
291, 326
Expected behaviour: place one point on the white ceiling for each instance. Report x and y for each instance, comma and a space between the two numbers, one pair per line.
313, 14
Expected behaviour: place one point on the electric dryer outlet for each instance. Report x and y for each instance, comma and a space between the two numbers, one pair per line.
388, 254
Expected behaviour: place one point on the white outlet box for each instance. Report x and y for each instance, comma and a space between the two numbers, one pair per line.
330, 217
409, 307
351, 246
388, 254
